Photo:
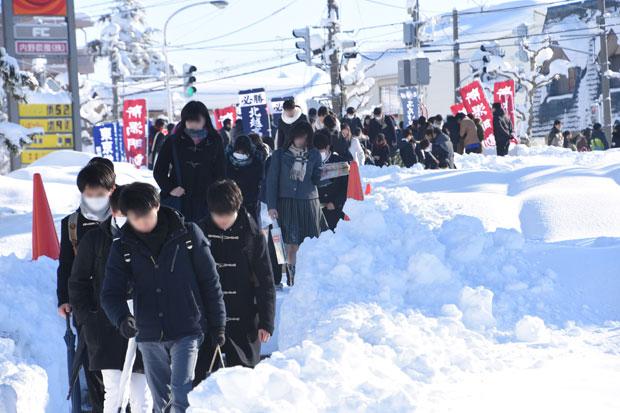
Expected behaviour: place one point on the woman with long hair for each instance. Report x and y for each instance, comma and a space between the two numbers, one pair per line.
189, 162
292, 194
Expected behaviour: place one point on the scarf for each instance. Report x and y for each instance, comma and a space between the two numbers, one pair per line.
298, 171
93, 215
239, 163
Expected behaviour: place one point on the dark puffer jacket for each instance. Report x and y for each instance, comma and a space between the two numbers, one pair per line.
105, 346
176, 294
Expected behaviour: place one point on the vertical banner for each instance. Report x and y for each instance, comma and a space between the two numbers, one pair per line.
476, 103
134, 131
504, 93
108, 142
410, 102
276, 110
220, 114
456, 108
253, 104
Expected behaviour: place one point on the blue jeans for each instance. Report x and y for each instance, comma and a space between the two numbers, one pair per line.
169, 368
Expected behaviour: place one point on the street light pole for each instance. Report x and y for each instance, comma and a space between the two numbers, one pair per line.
220, 4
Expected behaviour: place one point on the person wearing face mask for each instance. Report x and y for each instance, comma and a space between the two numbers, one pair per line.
189, 161
351, 119
240, 251
96, 181
292, 194
226, 132
332, 191
291, 116
175, 289
246, 169
106, 347
425, 156
442, 148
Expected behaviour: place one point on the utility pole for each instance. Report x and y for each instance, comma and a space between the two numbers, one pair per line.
74, 82
456, 56
604, 69
334, 60
115, 79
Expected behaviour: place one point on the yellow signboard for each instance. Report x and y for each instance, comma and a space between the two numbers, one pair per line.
42, 110
28, 156
48, 125
53, 140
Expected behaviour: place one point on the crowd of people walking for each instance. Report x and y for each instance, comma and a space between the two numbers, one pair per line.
201, 257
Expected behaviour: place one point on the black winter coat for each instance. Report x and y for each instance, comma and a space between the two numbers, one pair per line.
67, 255
246, 277
105, 346
175, 294
353, 122
407, 153
284, 129
502, 126
200, 165
615, 140
381, 155
335, 191
341, 146
248, 175
443, 151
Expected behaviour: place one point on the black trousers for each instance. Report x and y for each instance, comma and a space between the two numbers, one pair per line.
502, 147
94, 383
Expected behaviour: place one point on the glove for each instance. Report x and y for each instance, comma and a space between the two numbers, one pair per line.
218, 336
128, 328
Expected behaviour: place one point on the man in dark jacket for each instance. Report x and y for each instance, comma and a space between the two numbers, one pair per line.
105, 346
189, 162
442, 149
157, 140
598, 141
291, 116
615, 136
407, 149
240, 251
502, 129
96, 182
226, 132
175, 289
332, 191
556, 133
351, 119
382, 124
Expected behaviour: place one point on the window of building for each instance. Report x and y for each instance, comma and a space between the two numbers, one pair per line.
390, 99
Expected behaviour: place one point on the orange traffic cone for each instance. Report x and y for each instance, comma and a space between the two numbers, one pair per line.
44, 237
354, 189
368, 189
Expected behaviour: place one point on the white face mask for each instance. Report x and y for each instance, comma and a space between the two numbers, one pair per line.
98, 203
240, 156
120, 221
324, 156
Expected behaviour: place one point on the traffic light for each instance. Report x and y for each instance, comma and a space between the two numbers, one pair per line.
305, 55
189, 80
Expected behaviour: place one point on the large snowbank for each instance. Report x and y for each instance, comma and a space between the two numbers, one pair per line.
441, 294
433, 298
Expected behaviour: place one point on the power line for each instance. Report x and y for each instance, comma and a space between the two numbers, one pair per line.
247, 26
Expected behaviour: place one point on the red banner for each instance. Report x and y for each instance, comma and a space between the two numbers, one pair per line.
504, 93
476, 103
456, 108
134, 131
40, 7
229, 112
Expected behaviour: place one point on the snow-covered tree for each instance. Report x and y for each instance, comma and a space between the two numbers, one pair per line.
355, 84
127, 42
15, 83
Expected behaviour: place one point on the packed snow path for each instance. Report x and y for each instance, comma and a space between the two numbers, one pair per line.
490, 288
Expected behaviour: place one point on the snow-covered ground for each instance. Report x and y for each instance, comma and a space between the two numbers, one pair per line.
493, 287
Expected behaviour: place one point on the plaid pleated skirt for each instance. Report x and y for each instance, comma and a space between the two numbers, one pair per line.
300, 219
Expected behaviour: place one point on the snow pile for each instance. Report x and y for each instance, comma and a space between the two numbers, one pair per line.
432, 291
33, 364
